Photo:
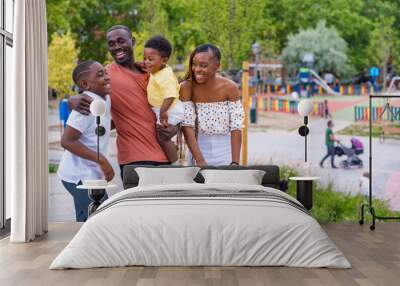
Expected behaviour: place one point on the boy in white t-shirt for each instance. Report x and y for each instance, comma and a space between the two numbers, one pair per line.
79, 161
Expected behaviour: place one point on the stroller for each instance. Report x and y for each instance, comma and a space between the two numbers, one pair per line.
351, 153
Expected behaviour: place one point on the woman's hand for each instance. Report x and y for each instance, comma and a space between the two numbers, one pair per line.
106, 167
80, 103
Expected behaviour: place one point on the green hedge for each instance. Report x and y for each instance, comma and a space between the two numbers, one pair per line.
53, 168
331, 206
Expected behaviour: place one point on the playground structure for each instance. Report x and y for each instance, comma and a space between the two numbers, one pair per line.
276, 104
387, 115
348, 89
322, 83
255, 99
385, 112
362, 113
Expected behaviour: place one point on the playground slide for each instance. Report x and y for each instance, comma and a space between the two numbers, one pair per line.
321, 83
393, 87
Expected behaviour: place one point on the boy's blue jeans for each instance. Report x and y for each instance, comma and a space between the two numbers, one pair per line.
81, 200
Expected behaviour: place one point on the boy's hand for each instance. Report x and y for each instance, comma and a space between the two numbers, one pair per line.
164, 119
107, 169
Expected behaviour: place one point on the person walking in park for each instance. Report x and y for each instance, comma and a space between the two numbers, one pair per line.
327, 114
329, 142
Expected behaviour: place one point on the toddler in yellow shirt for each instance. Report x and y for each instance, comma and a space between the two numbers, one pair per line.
163, 91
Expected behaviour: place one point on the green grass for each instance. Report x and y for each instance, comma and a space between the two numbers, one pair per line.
362, 129
331, 206
53, 168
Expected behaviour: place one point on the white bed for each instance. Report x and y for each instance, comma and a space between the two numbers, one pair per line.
203, 225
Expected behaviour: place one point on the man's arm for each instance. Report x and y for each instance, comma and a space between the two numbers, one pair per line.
70, 141
80, 103
333, 138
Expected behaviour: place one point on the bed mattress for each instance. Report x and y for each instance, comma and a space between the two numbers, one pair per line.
201, 225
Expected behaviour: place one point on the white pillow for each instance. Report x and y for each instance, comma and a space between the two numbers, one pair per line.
248, 177
166, 176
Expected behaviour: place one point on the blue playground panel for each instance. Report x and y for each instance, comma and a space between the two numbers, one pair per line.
64, 112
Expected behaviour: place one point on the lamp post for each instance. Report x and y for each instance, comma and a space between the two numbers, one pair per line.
96, 193
256, 49
304, 108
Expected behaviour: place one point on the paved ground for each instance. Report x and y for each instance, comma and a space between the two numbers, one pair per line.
268, 145
287, 148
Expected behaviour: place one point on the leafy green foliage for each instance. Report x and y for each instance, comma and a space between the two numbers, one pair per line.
53, 168
384, 45
62, 59
370, 28
328, 48
331, 206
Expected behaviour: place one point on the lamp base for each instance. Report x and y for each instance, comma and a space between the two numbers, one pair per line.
100, 130
303, 130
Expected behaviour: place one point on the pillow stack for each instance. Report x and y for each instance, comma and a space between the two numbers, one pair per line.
247, 177
168, 176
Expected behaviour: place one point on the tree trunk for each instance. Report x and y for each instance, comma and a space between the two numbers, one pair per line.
384, 75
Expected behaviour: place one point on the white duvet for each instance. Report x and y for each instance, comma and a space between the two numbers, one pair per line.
207, 230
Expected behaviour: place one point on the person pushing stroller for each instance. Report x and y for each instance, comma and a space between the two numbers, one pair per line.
330, 139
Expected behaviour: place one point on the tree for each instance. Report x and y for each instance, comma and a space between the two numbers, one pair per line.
62, 58
95, 17
233, 25
328, 47
383, 48
349, 17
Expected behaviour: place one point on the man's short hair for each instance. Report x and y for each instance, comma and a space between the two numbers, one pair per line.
160, 44
80, 69
119, 27
329, 122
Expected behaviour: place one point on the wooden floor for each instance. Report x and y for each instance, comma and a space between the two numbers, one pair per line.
375, 257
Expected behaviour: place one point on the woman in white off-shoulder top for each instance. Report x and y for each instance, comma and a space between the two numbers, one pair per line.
213, 115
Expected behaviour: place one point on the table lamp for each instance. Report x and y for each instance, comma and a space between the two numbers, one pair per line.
98, 108
304, 108
96, 188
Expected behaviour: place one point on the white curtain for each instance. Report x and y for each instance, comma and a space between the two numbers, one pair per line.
26, 119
